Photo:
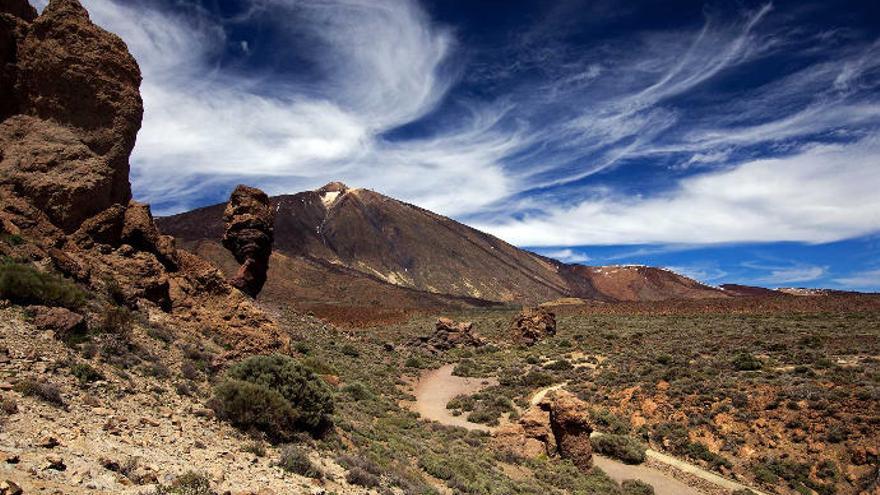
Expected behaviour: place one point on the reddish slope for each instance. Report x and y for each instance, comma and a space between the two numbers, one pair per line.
355, 233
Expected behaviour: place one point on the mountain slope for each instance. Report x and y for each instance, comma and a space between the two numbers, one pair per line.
360, 233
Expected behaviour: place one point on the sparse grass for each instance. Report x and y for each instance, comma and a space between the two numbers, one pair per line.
44, 391
24, 284
625, 448
190, 483
295, 459
85, 373
636, 487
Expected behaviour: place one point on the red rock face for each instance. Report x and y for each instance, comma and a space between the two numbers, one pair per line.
533, 325
249, 227
570, 424
75, 93
448, 335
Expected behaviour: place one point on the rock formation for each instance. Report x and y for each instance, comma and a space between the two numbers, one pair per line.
558, 425
69, 115
448, 335
533, 325
249, 221
570, 424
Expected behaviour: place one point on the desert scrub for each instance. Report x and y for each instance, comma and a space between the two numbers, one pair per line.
44, 391
24, 284
85, 373
190, 483
627, 449
745, 361
636, 487
276, 395
358, 391
295, 459
115, 320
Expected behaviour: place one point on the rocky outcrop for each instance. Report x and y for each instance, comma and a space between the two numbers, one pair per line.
63, 322
76, 93
69, 116
448, 335
571, 427
249, 227
533, 325
558, 425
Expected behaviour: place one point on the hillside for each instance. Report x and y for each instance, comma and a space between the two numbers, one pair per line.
388, 244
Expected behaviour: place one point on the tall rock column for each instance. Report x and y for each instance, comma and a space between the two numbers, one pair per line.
249, 232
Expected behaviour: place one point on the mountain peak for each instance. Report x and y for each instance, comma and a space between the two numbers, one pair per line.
335, 186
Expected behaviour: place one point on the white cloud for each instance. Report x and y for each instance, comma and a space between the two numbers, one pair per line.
869, 279
566, 255
822, 194
787, 274
700, 273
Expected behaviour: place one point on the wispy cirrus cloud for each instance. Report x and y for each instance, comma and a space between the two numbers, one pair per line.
868, 279
521, 144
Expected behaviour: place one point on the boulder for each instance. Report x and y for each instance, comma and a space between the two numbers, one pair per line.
8, 487
63, 322
139, 231
249, 231
571, 427
79, 110
449, 334
533, 325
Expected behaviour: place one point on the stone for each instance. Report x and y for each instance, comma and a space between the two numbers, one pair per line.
8, 487
63, 322
571, 426
249, 232
533, 325
449, 334
54, 462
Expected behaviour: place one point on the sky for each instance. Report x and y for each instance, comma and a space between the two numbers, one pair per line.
735, 142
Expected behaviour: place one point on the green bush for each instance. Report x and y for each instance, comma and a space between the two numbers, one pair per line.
296, 460
276, 395
24, 284
746, 362
627, 449
358, 391
636, 487
85, 373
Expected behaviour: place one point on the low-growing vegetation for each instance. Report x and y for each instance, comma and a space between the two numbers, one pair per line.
24, 284
623, 447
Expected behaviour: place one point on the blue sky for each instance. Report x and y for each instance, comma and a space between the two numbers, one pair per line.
732, 141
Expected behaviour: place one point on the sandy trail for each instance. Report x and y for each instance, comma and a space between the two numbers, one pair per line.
436, 388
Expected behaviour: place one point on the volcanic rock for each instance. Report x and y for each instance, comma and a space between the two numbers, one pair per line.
533, 325
63, 322
249, 226
76, 90
571, 427
448, 335
140, 232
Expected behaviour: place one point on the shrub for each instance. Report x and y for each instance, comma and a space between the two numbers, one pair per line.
358, 391
115, 320
190, 483
350, 350
746, 362
45, 391
743, 491
537, 378
24, 284
636, 487
276, 395
250, 406
625, 448
85, 373
360, 477
559, 365
608, 422
256, 447
296, 460
8, 406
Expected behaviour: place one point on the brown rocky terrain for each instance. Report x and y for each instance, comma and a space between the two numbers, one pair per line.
339, 232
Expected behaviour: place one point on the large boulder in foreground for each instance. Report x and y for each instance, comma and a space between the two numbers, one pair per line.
558, 425
70, 123
249, 231
533, 325
571, 427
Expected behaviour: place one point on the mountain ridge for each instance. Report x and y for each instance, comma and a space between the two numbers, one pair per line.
409, 247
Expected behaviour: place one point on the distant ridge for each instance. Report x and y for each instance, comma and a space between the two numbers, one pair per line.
337, 232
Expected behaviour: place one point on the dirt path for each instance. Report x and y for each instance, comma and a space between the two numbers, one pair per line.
436, 388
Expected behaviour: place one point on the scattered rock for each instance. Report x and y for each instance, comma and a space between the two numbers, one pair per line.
8, 487
54, 462
448, 335
249, 232
63, 322
48, 442
533, 325
7, 458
